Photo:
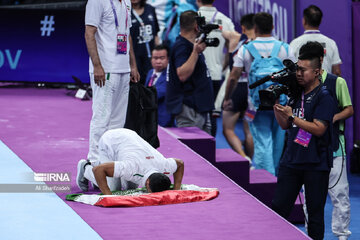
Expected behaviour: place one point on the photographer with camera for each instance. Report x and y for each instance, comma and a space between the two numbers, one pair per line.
189, 95
259, 58
308, 158
338, 182
214, 55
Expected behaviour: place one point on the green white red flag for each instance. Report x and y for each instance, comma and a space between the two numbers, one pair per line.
139, 197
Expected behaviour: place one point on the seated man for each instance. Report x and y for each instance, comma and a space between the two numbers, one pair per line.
157, 77
126, 161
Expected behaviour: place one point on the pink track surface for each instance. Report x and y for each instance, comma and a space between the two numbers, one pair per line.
49, 131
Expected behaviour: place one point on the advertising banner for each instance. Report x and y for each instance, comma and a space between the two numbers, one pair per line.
356, 54
42, 46
281, 10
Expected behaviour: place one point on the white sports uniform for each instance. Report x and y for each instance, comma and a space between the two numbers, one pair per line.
214, 55
135, 159
110, 101
331, 54
160, 8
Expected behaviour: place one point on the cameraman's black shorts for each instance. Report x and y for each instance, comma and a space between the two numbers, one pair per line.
240, 97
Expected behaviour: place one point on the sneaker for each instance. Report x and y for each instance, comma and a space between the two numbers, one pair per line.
81, 181
249, 159
250, 163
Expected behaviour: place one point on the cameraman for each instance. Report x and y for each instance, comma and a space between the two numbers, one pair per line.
308, 155
338, 182
214, 55
189, 95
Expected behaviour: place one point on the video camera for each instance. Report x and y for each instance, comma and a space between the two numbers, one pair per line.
289, 85
205, 29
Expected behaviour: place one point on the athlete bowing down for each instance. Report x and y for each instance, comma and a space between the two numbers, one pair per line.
126, 161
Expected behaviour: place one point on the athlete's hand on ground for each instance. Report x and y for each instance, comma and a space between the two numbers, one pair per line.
99, 76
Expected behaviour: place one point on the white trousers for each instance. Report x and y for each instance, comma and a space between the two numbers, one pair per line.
113, 183
109, 108
339, 195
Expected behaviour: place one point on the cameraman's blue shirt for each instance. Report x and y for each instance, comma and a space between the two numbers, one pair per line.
196, 92
318, 155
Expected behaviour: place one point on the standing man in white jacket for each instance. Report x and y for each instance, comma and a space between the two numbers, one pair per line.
111, 66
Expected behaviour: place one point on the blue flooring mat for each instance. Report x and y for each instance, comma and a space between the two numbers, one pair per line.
34, 215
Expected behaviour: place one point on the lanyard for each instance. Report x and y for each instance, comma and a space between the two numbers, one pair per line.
302, 105
310, 97
146, 40
170, 23
213, 17
115, 15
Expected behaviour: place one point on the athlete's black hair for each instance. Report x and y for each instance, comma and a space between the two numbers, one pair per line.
159, 182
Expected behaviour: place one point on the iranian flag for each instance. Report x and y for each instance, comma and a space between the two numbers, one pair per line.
139, 197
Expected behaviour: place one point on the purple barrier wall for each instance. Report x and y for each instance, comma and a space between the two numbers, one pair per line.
282, 11
356, 74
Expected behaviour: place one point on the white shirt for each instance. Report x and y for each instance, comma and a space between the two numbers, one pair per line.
264, 45
160, 8
135, 159
331, 56
99, 14
244, 76
214, 56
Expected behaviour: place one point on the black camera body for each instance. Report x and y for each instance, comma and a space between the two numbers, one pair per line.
205, 29
269, 95
288, 85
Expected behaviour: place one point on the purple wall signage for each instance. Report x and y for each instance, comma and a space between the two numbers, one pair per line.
281, 10
356, 74
42, 46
